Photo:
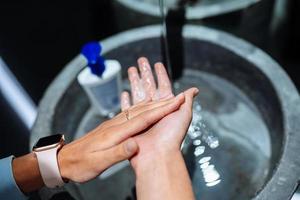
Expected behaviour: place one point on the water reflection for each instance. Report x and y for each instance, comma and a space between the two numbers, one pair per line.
199, 131
204, 160
199, 150
196, 142
198, 128
211, 184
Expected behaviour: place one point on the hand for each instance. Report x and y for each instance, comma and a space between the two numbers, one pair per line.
111, 142
144, 87
166, 136
159, 166
168, 133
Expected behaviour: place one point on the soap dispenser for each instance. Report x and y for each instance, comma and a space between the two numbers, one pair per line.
101, 80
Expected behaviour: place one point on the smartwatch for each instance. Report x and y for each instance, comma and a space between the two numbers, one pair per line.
46, 150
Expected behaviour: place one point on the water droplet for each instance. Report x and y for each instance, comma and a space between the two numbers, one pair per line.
208, 168
204, 159
210, 175
212, 142
199, 150
194, 134
204, 165
196, 142
211, 184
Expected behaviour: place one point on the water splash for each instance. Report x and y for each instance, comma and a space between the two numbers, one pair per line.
198, 129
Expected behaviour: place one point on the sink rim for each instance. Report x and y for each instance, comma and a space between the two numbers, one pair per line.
282, 183
193, 12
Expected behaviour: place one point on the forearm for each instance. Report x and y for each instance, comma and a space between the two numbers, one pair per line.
26, 173
163, 177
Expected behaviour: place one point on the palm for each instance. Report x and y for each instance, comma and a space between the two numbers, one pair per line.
168, 133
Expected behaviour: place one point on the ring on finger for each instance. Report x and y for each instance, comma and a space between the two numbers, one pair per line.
126, 112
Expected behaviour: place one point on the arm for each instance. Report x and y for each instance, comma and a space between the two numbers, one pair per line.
104, 146
163, 176
26, 173
159, 166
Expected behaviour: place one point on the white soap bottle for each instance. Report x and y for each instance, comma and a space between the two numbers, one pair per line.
101, 80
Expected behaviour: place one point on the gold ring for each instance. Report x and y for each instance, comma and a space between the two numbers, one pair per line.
126, 114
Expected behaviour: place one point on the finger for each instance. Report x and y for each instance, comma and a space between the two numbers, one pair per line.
186, 108
138, 109
107, 158
164, 84
188, 104
142, 121
141, 103
121, 117
147, 77
189, 96
135, 111
137, 91
125, 100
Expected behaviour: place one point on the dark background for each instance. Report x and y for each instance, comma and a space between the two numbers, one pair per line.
37, 38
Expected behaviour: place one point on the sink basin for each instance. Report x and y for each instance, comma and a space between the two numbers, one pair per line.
248, 103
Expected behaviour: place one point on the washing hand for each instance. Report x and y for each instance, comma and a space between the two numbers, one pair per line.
159, 165
111, 142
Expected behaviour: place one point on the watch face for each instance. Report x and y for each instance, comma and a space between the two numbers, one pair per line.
49, 140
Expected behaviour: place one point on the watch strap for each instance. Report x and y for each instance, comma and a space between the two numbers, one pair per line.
49, 169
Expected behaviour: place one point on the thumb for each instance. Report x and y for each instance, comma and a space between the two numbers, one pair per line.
189, 96
115, 154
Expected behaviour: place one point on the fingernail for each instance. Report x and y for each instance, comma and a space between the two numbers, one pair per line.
131, 147
196, 91
142, 59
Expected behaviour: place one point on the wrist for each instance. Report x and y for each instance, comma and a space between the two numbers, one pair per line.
163, 176
155, 159
64, 163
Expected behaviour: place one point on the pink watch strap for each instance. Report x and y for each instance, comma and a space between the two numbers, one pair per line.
49, 169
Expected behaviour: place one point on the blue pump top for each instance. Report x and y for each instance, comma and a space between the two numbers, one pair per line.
91, 51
